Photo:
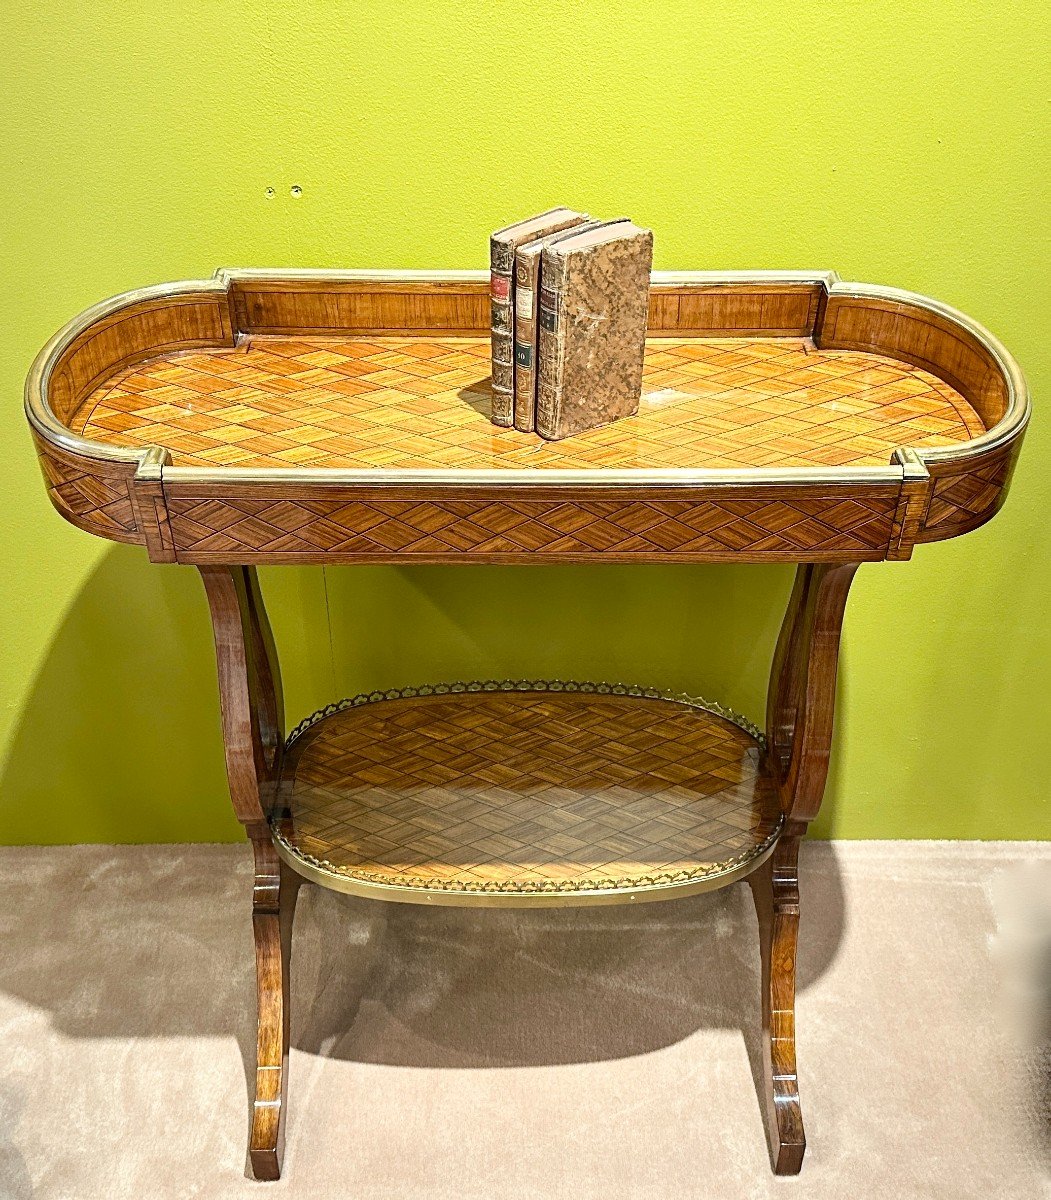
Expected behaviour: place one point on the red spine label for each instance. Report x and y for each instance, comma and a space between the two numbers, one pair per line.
499, 286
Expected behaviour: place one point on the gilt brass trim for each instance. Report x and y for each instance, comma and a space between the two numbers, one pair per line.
562, 686
43, 419
1016, 414
658, 885
718, 876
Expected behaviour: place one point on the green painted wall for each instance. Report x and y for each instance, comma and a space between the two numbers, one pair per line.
898, 142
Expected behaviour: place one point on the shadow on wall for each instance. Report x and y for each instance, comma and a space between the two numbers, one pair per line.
118, 735
118, 738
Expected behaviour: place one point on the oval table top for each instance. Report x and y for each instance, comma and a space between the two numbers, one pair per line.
424, 402
328, 416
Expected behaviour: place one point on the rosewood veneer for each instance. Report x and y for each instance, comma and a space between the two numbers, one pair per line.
326, 417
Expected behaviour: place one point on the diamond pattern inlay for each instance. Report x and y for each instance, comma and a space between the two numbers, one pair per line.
519, 791
970, 494
423, 402
90, 498
238, 526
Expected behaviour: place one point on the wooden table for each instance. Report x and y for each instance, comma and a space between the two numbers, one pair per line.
325, 417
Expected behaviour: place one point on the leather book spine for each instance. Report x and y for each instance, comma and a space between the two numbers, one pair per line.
527, 274
551, 340
501, 328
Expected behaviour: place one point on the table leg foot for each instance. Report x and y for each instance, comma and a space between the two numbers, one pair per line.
775, 890
273, 907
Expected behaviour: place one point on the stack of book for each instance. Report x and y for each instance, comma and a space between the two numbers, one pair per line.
570, 297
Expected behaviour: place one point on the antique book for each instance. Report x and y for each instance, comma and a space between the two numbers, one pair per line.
502, 246
528, 259
594, 301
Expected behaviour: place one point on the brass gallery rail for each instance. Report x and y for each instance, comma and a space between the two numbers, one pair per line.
341, 417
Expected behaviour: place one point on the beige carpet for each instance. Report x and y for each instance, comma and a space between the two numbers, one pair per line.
476, 1055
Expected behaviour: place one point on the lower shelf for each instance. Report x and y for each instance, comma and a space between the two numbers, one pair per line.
524, 794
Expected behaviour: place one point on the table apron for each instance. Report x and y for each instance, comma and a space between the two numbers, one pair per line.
288, 524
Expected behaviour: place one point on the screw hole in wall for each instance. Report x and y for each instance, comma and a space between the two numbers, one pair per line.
297, 191
269, 193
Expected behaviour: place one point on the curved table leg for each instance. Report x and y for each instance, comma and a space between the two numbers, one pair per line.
250, 699
800, 712
775, 889
273, 909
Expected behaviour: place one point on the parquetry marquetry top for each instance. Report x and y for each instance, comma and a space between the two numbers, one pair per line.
423, 403
518, 792
326, 416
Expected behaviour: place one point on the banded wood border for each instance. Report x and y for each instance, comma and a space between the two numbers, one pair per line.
936, 493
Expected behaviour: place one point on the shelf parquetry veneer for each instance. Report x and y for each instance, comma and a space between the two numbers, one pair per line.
327, 417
